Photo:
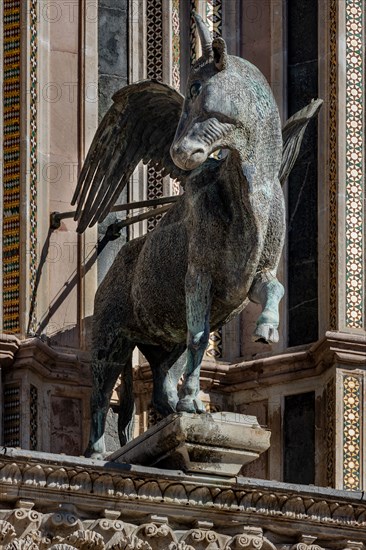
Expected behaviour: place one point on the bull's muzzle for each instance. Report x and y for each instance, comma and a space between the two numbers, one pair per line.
187, 156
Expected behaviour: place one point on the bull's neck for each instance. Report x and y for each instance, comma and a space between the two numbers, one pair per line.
232, 176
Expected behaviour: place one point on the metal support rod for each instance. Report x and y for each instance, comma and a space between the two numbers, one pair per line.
56, 217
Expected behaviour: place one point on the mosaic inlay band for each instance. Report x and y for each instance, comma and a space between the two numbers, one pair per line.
354, 165
11, 166
33, 161
330, 432
154, 53
333, 173
214, 21
352, 395
176, 45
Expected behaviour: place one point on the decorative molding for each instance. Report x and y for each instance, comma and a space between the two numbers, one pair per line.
11, 164
115, 507
355, 191
352, 451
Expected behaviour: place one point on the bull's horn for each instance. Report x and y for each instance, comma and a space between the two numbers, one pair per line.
205, 36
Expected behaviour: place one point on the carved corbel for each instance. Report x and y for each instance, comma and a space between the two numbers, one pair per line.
159, 536
61, 524
201, 539
25, 521
250, 539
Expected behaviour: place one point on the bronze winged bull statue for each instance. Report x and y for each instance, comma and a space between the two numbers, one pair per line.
216, 247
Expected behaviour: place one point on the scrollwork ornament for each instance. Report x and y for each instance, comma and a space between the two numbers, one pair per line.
198, 535
152, 530
246, 541
211, 536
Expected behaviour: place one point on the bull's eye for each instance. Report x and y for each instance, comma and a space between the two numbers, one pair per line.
195, 89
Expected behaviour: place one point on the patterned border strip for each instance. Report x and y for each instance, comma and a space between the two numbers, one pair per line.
352, 459
354, 164
176, 44
11, 416
154, 49
214, 21
11, 167
333, 174
33, 161
330, 432
192, 33
214, 16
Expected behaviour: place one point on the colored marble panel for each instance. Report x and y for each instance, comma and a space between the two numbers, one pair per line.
355, 261
11, 165
352, 396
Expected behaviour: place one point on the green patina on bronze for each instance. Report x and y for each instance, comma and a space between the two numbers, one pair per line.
217, 246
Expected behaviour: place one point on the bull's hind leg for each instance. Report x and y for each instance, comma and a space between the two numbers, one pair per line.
266, 290
107, 364
167, 368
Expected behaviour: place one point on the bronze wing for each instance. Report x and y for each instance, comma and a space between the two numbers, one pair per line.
292, 134
140, 125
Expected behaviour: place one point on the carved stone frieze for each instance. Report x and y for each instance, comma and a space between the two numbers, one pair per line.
60, 502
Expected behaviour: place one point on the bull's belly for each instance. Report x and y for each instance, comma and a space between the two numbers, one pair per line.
160, 302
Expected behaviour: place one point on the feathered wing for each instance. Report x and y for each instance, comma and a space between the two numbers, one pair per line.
292, 135
140, 125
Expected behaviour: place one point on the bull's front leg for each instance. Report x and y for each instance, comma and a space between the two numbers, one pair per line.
198, 307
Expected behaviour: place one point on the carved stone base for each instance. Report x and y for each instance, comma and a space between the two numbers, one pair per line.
219, 443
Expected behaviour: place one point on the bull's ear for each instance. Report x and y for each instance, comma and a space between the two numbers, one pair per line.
220, 53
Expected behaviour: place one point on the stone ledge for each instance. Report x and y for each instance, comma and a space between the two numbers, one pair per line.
50, 481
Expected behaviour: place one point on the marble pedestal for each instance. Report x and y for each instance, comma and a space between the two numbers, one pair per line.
219, 443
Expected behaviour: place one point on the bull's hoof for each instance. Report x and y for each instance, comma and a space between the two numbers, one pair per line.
190, 405
266, 334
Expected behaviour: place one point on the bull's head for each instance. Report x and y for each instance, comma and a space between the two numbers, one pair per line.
228, 105
209, 115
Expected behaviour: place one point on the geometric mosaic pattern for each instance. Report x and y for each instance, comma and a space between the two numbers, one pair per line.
176, 45
11, 416
11, 166
154, 59
333, 163
330, 432
33, 161
214, 22
33, 405
214, 17
355, 260
352, 403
